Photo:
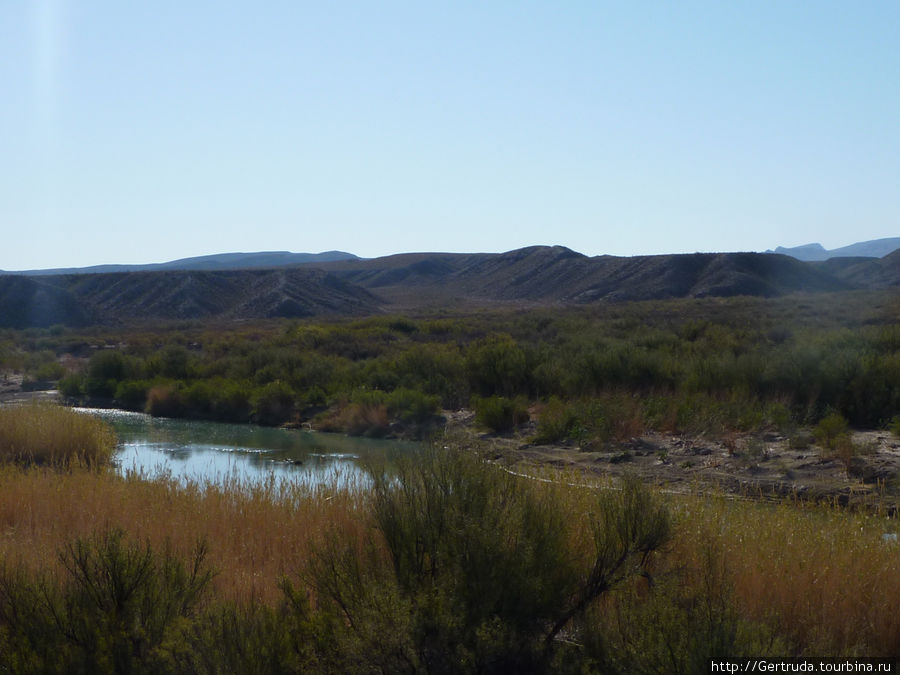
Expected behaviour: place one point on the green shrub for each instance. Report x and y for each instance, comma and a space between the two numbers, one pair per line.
473, 570
499, 414
831, 431
273, 404
120, 607
557, 421
677, 624
132, 394
894, 425
71, 386
411, 406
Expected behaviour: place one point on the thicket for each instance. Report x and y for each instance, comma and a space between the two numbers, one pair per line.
604, 371
443, 564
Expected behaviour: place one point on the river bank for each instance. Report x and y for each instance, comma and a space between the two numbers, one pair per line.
765, 465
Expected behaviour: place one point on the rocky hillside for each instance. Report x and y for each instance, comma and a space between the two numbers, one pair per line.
558, 275
538, 275
135, 296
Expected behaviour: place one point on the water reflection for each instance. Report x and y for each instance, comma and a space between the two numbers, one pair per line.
210, 451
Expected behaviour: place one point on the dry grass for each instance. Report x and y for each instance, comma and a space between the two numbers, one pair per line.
255, 534
821, 577
54, 436
824, 577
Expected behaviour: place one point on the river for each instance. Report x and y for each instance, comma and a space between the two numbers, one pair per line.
216, 452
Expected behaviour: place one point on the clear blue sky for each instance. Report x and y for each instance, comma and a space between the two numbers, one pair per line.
147, 131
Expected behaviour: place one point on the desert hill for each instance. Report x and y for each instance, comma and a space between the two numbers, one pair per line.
83, 299
538, 275
556, 274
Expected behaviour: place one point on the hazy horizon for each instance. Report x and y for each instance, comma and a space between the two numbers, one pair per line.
137, 134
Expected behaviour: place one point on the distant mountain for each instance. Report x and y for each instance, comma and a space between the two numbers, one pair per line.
558, 275
85, 299
219, 261
538, 275
876, 248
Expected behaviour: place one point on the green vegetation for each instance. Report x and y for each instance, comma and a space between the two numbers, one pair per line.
448, 565
118, 608
608, 371
499, 413
54, 436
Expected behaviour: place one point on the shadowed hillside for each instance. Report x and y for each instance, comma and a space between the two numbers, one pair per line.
558, 275
537, 275
107, 298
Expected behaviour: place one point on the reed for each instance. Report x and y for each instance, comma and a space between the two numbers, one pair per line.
256, 533
826, 579
822, 579
50, 435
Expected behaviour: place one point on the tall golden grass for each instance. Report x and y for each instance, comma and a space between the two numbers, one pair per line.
256, 533
825, 578
51, 435
822, 577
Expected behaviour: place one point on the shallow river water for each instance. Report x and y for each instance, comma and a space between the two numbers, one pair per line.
212, 451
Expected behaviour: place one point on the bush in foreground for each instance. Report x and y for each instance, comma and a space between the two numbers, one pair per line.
120, 607
54, 436
472, 569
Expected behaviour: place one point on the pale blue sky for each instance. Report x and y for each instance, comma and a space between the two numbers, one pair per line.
147, 131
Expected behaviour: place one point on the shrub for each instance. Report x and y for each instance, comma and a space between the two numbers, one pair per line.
677, 624
120, 607
497, 365
472, 570
411, 406
557, 421
132, 394
273, 404
498, 413
54, 436
71, 386
164, 400
831, 432
894, 425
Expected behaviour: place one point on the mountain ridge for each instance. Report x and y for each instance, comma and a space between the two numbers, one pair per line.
532, 276
212, 262
874, 248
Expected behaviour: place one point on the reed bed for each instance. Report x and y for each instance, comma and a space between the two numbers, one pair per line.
50, 435
255, 533
822, 578
826, 579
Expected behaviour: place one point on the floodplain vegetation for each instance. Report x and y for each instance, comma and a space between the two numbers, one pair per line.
440, 563
587, 374
443, 562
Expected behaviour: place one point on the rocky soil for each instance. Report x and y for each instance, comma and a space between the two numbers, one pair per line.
761, 466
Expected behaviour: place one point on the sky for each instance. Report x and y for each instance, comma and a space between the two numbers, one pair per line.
137, 132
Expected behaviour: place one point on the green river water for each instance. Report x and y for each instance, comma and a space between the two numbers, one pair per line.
215, 452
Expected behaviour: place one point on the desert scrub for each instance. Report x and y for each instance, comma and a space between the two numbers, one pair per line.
118, 606
470, 569
498, 413
54, 436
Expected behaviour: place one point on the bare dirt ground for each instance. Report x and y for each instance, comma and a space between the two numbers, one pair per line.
762, 466
11, 391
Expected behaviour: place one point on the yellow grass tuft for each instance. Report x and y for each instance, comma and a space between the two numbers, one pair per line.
51, 435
